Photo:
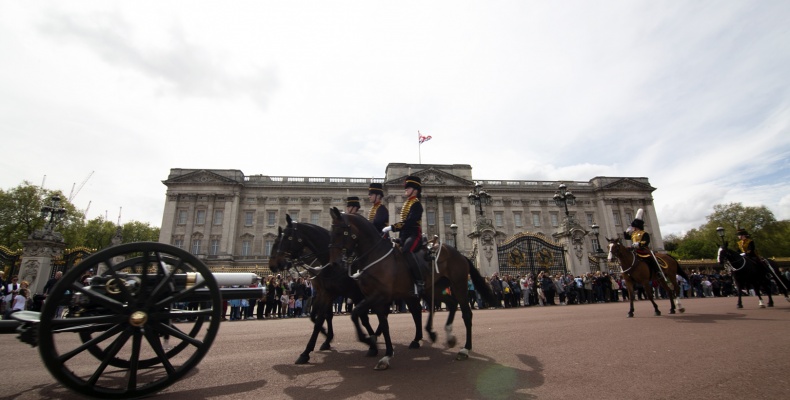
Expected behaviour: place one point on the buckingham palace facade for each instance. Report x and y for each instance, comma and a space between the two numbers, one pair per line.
230, 220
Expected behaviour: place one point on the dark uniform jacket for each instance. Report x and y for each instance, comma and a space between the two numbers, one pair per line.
410, 224
379, 216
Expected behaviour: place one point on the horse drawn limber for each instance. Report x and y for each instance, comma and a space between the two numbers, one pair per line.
122, 334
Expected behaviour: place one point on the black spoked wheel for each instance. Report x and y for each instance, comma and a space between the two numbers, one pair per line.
126, 333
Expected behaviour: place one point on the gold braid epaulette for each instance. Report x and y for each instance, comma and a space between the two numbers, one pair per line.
373, 210
743, 245
404, 213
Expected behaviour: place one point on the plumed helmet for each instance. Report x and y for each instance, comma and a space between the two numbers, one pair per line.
413, 182
353, 201
376, 188
638, 223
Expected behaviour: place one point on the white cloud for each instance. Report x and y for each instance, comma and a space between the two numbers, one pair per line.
690, 95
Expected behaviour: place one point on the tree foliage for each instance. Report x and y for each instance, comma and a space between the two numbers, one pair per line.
770, 235
20, 215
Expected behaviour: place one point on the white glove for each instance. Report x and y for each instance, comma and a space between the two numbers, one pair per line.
386, 229
743, 254
635, 245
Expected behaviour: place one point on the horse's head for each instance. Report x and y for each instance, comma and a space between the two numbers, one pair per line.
614, 247
725, 255
343, 237
279, 259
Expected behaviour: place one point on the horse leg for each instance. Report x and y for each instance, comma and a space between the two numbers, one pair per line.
330, 332
677, 297
452, 307
650, 297
671, 294
416, 314
362, 309
318, 323
429, 324
384, 362
630, 286
466, 314
740, 293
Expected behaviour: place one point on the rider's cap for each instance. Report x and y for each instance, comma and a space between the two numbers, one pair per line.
742, 232
353, 201
413, 182
376, 188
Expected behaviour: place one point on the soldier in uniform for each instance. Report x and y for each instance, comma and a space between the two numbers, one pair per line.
748, 249
379, 215
352, 205
640, 241
410, 228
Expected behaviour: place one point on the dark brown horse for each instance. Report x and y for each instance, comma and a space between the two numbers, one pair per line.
303, 245
637, 271
747, 274
383, 275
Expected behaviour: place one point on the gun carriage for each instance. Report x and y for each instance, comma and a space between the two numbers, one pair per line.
146, 317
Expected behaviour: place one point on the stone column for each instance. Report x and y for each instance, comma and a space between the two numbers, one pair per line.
36, 265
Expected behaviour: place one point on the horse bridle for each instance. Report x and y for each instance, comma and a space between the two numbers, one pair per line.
633, 257
349, 256
728, 262
295, 257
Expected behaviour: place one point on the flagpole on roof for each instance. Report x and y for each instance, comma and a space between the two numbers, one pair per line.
419, 148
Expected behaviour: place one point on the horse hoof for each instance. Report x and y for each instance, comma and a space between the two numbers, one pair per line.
740, 305
787, 298
451, 342
762, 305
303, 359
658, 313
462, 355
682, 310
372, 352
415, 344
326, 346
630, 315
383, 364
770, 304
671, 311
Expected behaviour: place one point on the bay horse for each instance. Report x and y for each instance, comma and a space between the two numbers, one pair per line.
384, 276
307, 245
747, 274
637, 271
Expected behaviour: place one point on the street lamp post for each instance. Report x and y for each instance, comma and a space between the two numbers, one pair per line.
596, 230
478, 197
720, 232
53, 213
454, 230
563, 198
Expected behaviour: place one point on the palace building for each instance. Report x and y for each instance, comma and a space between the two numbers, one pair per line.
230, 220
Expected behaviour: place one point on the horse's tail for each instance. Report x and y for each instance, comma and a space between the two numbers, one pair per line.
481, 286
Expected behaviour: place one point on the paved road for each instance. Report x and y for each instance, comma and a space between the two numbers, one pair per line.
712, 351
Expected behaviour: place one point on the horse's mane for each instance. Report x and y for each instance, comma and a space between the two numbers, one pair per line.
365, 227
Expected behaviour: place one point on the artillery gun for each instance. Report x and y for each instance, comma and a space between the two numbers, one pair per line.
143, 321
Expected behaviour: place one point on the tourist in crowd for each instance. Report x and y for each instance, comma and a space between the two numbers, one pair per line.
496, 286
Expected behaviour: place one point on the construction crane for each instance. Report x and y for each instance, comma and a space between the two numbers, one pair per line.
88, 208
73, 193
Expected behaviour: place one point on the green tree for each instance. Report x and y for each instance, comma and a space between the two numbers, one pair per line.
769, 234
20, 213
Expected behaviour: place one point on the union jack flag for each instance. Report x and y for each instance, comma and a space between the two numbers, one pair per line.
422, 138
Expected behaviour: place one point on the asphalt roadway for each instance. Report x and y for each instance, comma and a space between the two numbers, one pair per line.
713, 351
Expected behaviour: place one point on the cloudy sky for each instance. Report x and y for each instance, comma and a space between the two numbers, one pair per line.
694, 95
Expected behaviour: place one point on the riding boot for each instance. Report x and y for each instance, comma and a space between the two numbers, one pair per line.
416, 274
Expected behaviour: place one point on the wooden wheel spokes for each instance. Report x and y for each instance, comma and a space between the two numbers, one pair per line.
122, 337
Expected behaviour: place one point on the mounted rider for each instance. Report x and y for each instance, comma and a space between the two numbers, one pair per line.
640, 241
379, 215
410, 228
749, 250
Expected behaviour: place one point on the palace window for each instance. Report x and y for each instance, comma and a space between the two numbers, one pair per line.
182, 217
315, 217
517, 219
195, 246
246, 247
555, 219
498, 220
536, 219
248, 218
200, 217
267, 247
616, 216
271, 218
218, 214
214, 249
431, 215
